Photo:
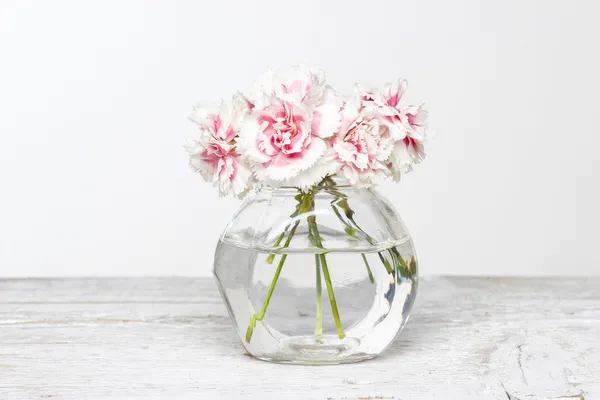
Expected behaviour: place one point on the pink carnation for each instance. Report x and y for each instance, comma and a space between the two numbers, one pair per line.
410, 149
294, 130
362, 144
213, 152
285, 134
406, 124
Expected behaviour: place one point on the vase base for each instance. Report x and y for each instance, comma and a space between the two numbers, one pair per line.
317, 350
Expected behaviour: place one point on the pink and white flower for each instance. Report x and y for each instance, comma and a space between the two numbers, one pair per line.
388, 105
362, 144
301, 86
406, 125
213, 152
295, 130
410, 149
279, 138
285, 134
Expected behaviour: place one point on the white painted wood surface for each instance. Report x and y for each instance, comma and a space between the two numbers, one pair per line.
170, 338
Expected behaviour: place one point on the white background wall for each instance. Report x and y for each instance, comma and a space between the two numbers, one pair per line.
94, 98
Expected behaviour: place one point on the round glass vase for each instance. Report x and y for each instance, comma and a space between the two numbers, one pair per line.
323, 277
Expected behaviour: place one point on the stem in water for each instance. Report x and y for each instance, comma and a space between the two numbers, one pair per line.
319, 327
334, 310
258, 317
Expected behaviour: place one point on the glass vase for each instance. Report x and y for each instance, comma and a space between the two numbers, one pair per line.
326, 276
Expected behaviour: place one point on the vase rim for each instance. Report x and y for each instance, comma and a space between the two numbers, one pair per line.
294, 189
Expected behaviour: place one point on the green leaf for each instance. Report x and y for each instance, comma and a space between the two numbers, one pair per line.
413, 266
350, 232
386, 264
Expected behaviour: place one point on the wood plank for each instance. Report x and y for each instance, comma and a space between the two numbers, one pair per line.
469, 338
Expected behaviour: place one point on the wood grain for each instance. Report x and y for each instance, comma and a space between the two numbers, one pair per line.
171, 338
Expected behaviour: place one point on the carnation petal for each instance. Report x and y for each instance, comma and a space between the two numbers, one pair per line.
326, 117
393, 92
293, 165
306, 179
202, 112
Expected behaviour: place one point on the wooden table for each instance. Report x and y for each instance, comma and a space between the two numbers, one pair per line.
171, 338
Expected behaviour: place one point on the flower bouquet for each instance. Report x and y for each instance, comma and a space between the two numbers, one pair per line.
314, 226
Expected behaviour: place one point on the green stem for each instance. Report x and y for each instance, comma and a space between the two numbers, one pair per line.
394, 254
319, 327
271, 256
258, 317
350, 232
405, 269
368, 268
386, 263
334, 310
